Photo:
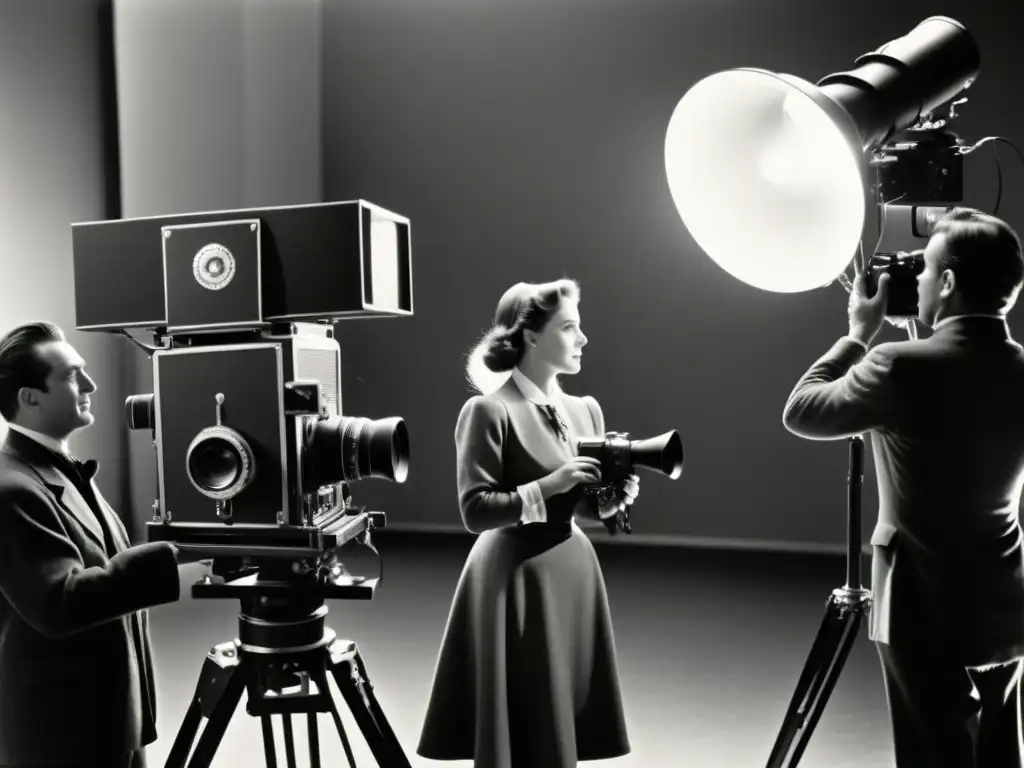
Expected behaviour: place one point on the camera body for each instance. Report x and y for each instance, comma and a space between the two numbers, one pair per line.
255, 455
903, 269
619, 456
250, 420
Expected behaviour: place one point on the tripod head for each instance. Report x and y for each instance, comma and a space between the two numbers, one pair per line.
291, 569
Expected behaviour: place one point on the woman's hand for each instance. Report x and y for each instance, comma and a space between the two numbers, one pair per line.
618, 497
579, 469
630, 489
614, 503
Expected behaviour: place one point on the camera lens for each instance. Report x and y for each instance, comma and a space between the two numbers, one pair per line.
139, 411
220, 463
350, 448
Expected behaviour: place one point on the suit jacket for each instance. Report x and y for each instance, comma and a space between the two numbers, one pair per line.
76, 670
946, 415
503, 441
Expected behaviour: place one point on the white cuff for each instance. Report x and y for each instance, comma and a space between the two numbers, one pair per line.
534, 510
857, 341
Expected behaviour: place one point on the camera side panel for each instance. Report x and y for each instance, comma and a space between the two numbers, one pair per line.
213, 275
314, 354
118, 275
250, 378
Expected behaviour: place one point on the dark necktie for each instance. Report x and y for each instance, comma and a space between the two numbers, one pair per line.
84, 471
87, 469
557, 423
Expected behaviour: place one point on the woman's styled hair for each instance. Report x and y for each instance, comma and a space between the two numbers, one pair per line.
523, 307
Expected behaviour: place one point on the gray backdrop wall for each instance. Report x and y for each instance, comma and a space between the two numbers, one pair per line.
218, 108
525, 142
54, 169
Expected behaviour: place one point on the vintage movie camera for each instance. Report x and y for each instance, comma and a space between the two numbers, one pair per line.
255, 452
619, 456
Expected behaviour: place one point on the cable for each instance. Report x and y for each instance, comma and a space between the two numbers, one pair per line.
980, 143
993, 140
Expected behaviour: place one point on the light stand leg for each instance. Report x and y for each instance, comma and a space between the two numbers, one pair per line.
820, 657
843, 613
848, 633
828, 654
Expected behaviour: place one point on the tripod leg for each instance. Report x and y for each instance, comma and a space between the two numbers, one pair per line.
289, 739
186, 734
216, 725
314, 740
268, 741
217, 694
320, 677
823, 650
350, 674
850, 627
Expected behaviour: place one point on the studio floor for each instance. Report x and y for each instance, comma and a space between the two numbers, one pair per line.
710, 646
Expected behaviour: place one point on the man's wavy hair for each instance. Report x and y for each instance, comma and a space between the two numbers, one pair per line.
985, 255
20, 364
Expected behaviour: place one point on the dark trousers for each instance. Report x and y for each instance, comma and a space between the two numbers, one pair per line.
136, 759
946, 715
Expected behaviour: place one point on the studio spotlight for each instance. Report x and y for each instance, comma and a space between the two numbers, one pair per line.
768, 171
769, 174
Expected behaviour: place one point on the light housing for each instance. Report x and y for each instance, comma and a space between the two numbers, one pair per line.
768, 170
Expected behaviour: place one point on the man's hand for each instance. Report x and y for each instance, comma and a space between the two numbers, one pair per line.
185, 555
196, 565
206, 573
866, 313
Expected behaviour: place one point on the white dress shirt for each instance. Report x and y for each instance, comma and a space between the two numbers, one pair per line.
55, 445
938, 325
945, 320
534, 509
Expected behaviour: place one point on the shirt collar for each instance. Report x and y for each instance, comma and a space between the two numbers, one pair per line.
945, 320
530, 391
52, 443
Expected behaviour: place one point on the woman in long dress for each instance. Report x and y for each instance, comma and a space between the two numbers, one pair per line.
526, 676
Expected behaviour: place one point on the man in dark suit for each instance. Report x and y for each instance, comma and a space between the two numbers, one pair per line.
76, 669
946, 416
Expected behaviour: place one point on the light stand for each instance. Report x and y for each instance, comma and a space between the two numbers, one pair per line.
844, 610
